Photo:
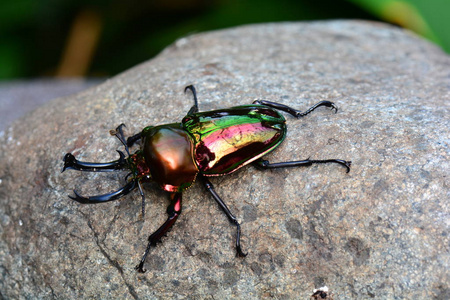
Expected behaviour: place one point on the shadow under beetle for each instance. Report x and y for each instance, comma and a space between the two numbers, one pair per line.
204, 144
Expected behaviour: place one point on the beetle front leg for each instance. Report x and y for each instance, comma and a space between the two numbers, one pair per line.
265, 164
209, 186
133, 139
173, 210
118, 133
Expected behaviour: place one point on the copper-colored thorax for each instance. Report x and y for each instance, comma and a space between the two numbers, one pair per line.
168, 151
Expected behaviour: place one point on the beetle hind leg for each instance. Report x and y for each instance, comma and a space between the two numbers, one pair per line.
209, 186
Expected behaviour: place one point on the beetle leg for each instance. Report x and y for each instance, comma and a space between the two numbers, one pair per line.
118, 133
209, 186
173, 210
265, 164
294, 112
141, 192
105, 197
70, 162
194, 108
133, 139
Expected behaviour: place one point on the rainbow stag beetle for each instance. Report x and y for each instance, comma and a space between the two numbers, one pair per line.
203, 145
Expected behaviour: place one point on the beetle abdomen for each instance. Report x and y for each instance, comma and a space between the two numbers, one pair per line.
225, 140
168, 152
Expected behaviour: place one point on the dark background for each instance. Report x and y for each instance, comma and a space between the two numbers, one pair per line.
100, 38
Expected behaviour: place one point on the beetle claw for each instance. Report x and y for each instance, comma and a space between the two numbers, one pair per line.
118, 130
240, 253
333, 106
140, 268
329, 104
79, 198
347, 164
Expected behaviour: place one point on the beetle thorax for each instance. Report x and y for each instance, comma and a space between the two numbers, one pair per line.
168, 153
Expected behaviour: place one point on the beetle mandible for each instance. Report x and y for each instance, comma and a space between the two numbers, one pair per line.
204, 144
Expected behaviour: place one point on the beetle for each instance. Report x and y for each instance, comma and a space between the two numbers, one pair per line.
202, 145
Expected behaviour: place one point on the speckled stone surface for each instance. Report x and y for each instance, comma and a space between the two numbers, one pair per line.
380, 231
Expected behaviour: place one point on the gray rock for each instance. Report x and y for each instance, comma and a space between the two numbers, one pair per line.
380, 231
20, 97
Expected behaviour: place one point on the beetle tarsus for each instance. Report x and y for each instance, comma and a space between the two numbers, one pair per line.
344, 163
209, 186
173, 211
118, 133
127, 143
265, 164
194, 108
294, 112
239, 252
321, 103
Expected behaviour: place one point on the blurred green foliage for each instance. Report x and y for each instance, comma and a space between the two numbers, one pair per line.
429, 18
34, 34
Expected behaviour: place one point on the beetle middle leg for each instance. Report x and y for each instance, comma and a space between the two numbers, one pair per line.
265, 164
209, 186
174, 211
